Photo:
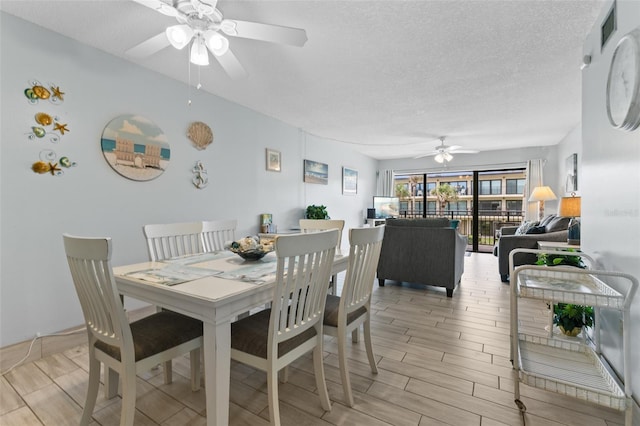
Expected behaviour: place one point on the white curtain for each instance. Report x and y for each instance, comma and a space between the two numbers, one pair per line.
385, 183
534, 178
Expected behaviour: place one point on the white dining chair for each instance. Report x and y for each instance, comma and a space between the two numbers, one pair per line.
125, 349
216, 233
168, 240
345, 314
314, 225
273, 338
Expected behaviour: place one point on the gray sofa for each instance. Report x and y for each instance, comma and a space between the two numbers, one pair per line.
553, 229
423, 251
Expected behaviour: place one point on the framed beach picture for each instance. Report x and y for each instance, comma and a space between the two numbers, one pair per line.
315, 172
135, 147
571, 179
349, 181
273, 160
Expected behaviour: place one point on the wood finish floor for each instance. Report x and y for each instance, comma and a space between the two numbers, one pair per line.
441, 362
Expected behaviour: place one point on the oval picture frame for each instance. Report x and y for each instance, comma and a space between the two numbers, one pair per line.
135, 147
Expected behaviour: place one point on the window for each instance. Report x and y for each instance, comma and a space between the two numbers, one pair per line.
459, 186
459, 207
515, 186
514, 206
431, 207
430, 186
404, 206
418, 207
491, 187
488, 207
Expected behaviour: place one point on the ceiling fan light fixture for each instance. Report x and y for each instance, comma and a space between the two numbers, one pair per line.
442, 157
199, 55
218, 44
179, 35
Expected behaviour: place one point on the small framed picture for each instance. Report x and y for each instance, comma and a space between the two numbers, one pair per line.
316, 172
571, 180
273, 160
349, 181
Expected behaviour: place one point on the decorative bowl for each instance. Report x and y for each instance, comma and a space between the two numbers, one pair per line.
250, 248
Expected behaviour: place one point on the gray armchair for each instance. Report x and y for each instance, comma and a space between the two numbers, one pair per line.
554, 230
423, 251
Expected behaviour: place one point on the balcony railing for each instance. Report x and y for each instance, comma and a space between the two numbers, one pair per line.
490, 222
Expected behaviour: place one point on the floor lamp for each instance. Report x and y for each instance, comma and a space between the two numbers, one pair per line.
570, 207
541, 194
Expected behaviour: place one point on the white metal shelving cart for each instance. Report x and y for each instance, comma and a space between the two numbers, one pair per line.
571, 366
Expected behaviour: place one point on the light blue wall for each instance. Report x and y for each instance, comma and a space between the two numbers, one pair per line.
36, 293
610, 176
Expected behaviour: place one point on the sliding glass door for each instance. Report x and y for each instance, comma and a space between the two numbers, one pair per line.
482, 201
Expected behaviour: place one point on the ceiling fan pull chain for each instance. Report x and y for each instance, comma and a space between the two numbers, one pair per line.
189, 81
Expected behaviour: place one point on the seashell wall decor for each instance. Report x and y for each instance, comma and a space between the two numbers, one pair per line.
200, 134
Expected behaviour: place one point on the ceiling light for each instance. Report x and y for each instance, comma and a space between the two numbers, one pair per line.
218, 44
199, 55
179, 35
441, 157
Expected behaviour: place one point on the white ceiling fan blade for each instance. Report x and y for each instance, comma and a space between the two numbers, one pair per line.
429, 154
159, 6
231, 65
150, 46
464, 151
265, 32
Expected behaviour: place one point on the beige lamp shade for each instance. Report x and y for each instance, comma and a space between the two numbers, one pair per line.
542, 193
569, 206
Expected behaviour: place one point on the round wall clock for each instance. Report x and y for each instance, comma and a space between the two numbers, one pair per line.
623, 84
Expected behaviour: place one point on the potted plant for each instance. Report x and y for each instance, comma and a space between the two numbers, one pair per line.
316, 212
553, 259
570, 319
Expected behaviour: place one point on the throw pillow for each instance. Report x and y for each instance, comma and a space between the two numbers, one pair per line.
547, 219
537, 230
525, 226
558, 224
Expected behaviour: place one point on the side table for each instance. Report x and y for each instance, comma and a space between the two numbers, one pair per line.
557, 246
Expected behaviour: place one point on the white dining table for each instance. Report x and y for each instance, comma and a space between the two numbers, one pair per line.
235, 287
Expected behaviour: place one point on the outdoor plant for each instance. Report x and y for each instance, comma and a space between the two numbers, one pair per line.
317, 212
444, 193
571, 318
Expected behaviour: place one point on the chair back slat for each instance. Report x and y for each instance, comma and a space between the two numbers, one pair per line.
314, 225
303, 270
89, 261
216, 233
364, 253
168, 240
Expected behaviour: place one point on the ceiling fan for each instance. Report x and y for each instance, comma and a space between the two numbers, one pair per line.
443, 153
202, 25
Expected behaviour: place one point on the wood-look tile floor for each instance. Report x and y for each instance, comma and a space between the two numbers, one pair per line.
441, 361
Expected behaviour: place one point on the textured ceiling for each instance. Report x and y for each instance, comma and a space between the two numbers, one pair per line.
389, 77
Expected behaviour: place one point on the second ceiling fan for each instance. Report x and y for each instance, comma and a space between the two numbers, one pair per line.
444, 153
202, 25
